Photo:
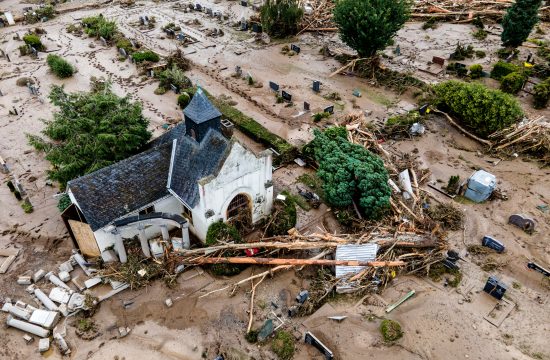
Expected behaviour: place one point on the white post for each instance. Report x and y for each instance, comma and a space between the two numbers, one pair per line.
185, 235
143, 241
56, 281
119, 246
164, 231
25, 326
45, 300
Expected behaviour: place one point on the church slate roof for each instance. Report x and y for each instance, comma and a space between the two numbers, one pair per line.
193, 161
200, 109
121, 188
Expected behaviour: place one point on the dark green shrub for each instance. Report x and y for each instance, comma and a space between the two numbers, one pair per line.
476, 71
27, 207
459, 69
34, 41
280, 18
283, 345
174, 76
183, 100
480, 54
368, 25
480, 34
391, 330
64, 202
222, 232
512, 83
481, 109
504, 53
502, 68
145, 56
59, 66
320, 116
541, 94
125, 44
37, 15
98, 26
283, 218
462, 52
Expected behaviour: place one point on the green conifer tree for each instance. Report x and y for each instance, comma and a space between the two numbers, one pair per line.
519, 22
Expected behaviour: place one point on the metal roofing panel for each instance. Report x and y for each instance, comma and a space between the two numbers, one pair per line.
363, 252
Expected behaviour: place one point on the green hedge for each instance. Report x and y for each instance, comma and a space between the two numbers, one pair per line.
59, 66
96, 26
481, 109
476, 71
541, 94
145, 56
501, 69
512, 83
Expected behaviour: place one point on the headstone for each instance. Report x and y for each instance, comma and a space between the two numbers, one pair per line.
316, 86
257, 28
329, 109
398, 50
295, 48
103, 41
306, 106
423, 109
122, 52
133, 43
495, 288
209, 11
34, 51
273, 86
244, 25
180, 37
286, 96
146, 18
266, 330
151, 73
244, 2
174, 88
142, 20
198, 7
238, 70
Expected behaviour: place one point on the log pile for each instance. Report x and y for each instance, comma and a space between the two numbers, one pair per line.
529, 136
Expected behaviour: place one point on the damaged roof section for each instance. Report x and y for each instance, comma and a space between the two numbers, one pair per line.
363, 252
126, 186
193, 161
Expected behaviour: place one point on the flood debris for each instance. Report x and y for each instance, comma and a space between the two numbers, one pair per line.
523, 222
495, 288
400, 301
309, 338
492, 243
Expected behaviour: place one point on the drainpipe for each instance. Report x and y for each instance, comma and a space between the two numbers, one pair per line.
119, 246
164, 231
45, 300
143, 241
56, 281
25, 326
185, 235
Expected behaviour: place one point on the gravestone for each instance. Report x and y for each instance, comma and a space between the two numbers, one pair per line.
329, 109
122, 52
306, 106
142, 20
286, 96
34, 51
198, 7
209, 11
133, 43
295, 48
316, 86
244, 2
238, 70
151, 73
180, 37
244, 25
438, 60
273, 86
103, 41
174, 88
146, 18
257, 28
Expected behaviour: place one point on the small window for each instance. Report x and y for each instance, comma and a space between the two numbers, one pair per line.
147, 210
187, 214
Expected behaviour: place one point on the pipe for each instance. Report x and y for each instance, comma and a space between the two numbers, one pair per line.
56, 281
25, 326
185, 236
119, 246
20, 313
143, 241
45, 300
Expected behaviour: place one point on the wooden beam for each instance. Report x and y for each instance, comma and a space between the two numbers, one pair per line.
277, 261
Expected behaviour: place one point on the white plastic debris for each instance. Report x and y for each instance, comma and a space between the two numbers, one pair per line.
64, 276
44, 345
46, 319
37, 276
417, 129
24, 280
168, 302
60, 295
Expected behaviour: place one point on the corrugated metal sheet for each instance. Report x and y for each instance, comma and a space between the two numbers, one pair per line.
363, 252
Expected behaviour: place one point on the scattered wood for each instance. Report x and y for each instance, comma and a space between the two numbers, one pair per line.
280, 261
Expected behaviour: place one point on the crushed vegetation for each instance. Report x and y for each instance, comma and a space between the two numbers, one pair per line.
447, 215
391, 330
439, 271
284, 345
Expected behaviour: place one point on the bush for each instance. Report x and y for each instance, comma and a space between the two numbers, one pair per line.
37, 15
462, 52
391, 330
145, 56
512, 83
34, 41
174, 76
222, 232
541, 94
280, 18
320, 116
502, 68
98, 26
368, 25
283, 345
183, 100
480, 54
480, 34
64, 202
125, 44
476, 71
283, 218
481, 109
59, 66
459, 69
519, 21
27, 207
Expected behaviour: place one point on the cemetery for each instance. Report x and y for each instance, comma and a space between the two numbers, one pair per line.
274, 179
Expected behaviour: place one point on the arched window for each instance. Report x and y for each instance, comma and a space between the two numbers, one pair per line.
238, 204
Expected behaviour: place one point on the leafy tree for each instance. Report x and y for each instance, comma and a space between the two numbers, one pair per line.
351, 172
481, 109
519, 21
90, 131
368, 25
60, 66
280, 18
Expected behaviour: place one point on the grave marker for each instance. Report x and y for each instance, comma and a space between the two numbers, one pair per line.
238, 70
174, 88
286, 96
103, 41
329, 109
180, 37
438, 60
198, 7
295, 48
306, 106
244, 3
244, 25
257, 28
316, 86
273, 86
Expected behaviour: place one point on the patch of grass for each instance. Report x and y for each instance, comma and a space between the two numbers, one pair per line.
480, 54
313, 182
437, 272
447, 215
463, 200
478, 249
516, 285
480, 34
391, 330
456, 279
379, 98
85, 325
297, 199
27, 207
283, 345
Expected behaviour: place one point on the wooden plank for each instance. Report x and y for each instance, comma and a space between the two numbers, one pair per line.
85, 238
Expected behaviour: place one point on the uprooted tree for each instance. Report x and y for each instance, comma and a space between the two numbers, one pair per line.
368, 25
90, 131
350, 172
280, 18
519, 21
481, 109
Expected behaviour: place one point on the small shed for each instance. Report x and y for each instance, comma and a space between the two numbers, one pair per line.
480, 186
